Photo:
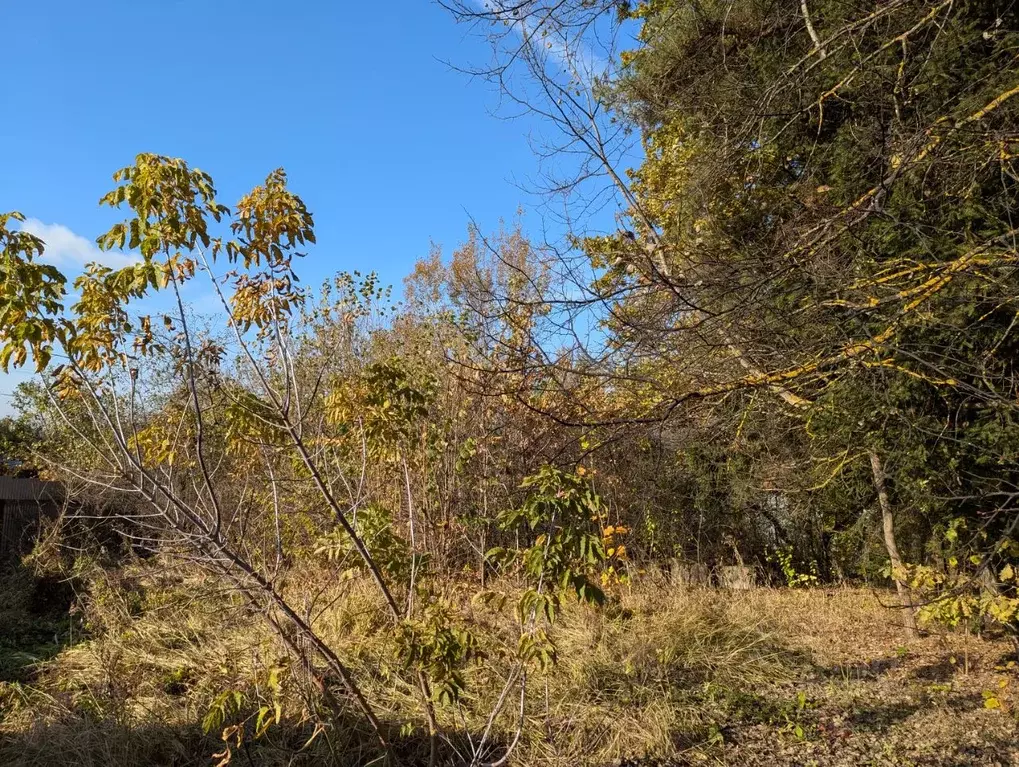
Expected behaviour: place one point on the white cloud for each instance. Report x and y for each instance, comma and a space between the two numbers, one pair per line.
65, 248
575, 59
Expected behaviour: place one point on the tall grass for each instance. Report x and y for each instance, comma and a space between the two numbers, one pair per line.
641, 677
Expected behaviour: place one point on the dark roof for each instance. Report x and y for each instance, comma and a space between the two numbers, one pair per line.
22, 489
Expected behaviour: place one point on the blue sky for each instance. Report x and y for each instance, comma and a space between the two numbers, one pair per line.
389, 147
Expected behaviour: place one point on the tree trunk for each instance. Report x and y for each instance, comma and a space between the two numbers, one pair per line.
888, 525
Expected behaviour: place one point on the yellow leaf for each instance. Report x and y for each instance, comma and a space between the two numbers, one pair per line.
1007, 573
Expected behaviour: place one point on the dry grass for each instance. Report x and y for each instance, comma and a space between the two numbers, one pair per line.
680, 676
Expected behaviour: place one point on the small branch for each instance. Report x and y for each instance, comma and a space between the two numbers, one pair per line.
818, 46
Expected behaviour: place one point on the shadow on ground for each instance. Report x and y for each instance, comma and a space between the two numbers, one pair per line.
35, 621
84, 742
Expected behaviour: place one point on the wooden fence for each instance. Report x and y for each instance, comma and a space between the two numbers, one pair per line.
23, 504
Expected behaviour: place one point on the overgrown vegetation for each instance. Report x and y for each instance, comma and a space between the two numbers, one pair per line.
474, 526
